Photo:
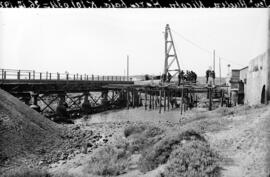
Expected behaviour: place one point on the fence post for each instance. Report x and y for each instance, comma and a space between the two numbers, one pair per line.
92, 77
50, 76
98, 77
18, 75
81, 77
40, 75
67, 76
57, 76
73, 76
29, 75
5, 75
86, 77
34, 73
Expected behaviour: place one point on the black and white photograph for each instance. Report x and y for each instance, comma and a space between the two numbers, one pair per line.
156, 92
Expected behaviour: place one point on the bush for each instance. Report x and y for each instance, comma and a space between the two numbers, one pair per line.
109, 161
133, 129
33, 172
27, 172
160, 152
152, 131
144, 139
193, 159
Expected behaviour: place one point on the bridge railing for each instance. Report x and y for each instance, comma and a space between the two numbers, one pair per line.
12, 74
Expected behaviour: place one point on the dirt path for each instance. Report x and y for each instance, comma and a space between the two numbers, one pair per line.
244, 144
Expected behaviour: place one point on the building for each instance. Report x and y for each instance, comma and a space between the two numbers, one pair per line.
257, 84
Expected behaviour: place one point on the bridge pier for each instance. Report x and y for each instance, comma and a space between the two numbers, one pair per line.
86, 106
104, 96
61, 108
34, 105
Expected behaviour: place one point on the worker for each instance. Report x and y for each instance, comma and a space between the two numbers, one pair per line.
195, 77
164, 76
207, 75
213, 75
169, 77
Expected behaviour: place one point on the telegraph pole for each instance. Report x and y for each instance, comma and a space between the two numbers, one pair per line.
214, 65
128, 68
219, 72
214, 60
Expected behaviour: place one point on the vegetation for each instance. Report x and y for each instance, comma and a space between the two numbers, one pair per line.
27, 172
193, 159
114, 160
134, 129
152, 157
142, 137
33, 172
109, 161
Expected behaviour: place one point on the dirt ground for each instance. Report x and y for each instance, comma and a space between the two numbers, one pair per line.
239, 134
244, 144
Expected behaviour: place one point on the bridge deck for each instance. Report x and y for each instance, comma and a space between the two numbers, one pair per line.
26, 80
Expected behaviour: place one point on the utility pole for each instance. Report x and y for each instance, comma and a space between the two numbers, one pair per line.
219, 72
214, 65
128, 68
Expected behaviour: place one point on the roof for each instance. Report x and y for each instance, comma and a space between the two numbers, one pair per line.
244, 68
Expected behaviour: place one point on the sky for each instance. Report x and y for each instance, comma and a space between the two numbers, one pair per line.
97, 41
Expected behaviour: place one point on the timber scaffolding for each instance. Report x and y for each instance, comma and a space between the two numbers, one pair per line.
167, 97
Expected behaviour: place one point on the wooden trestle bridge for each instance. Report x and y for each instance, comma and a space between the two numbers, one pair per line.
61, 95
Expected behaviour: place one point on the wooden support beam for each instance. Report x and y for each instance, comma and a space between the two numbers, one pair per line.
47, 104
145, 99
168, 100
182, 97
74, 102
127, 98
133, 98
150, 100
210, 99
95, 100
160, 100
139, 99
164, 91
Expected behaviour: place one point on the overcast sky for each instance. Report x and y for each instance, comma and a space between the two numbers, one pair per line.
97, 41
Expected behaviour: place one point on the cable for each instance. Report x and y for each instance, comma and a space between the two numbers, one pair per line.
193, 43
206, 50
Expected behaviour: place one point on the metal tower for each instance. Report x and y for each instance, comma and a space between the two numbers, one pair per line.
171, 61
